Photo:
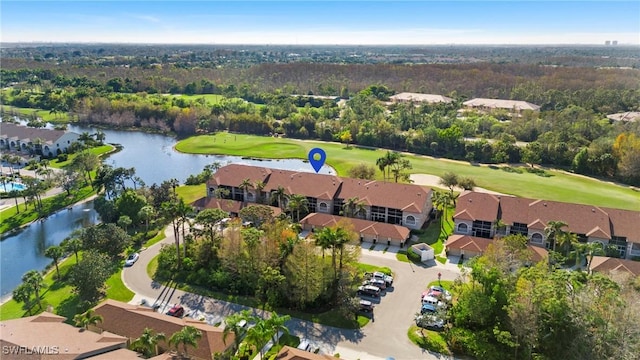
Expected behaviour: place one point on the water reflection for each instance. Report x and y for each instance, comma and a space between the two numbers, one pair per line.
24, 250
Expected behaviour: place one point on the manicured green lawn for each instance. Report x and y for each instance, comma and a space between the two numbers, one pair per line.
45, 115
428, 340
211, 99
191, 193
60, 295
116, 289
98, 150
558, 186
159, 236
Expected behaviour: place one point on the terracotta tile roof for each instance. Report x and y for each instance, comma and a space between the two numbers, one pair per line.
589, 220
407, 197
477, 206
24, 133
467, 242
606, 265
625, 223
234, 174
289, 353
417, 97
130, 321
479, 245
48, 329
501, 104
303, 183
228, 205
360, 226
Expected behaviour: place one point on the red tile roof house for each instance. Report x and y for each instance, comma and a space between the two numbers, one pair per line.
369, 231
401, 204
476, 215
130, 321
28, 140
46, 336
472, 246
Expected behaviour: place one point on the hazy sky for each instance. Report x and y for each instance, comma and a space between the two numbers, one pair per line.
322, 22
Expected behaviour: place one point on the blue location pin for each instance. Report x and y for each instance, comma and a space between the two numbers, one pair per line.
317, 164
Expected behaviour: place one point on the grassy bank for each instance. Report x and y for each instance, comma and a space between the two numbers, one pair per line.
556, 185
59, 294
11, 219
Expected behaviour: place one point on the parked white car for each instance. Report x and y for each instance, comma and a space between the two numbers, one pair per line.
132, 259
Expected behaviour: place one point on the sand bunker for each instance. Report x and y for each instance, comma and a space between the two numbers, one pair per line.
434, 181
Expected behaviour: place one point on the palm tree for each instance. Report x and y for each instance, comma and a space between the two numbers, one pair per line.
257, 336
553, 231
187, 336
146, 213
280, 195
386, 161
354, 207
100, 136
15, 194
276, 324
233, 325
590, 250
55, 252
147, 343
259, 186
182, 211
34, 280
297, 203
169, 209
22, 294
565, 240
73, 243
87, 318
245, 185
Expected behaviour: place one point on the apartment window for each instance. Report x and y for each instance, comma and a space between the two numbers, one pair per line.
481, 229
537, 238
337, 206
394, 216
322, 207
411, 220
519, 228
312, 204
620, 243
378, 213
463, 228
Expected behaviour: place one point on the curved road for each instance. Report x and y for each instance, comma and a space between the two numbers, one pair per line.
384, 336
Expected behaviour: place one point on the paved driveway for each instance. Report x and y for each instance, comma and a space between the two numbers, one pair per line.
385, 335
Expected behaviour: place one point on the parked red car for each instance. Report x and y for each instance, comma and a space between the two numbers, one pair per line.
176, 311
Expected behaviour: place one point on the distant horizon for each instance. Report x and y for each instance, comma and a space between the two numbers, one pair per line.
348, 23
300, 45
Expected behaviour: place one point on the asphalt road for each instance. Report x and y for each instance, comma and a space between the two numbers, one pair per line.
384, 336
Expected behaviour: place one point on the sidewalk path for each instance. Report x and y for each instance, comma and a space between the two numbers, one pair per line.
384, 336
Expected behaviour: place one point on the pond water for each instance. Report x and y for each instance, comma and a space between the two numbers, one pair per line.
155, 160
24, 250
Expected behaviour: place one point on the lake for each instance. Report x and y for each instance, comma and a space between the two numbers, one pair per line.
155, 160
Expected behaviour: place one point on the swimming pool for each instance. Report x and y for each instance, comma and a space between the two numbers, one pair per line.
11, 185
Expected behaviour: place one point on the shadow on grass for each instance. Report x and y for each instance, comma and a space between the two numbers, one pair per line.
69, 307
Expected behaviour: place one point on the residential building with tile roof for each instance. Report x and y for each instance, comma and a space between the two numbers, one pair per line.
477, 213
47, 336
514, 106
471, 246
29, 140
394, 203
369, 231
130, 321
420, 98
625, 116
609, 265
289, 353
